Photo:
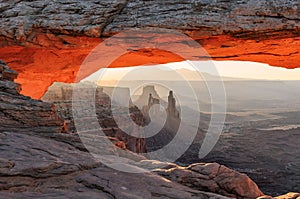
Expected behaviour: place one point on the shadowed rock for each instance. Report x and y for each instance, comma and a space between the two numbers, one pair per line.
40, 167
21, 113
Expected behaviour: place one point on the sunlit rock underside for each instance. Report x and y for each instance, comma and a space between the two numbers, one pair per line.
46, 41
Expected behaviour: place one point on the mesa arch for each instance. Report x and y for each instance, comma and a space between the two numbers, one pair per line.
47, 41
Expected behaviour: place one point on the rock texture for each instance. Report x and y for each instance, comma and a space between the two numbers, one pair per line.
144, 98
32, 166
21, 113
22, 21
48, 40
275, 171
215, 178
290, 195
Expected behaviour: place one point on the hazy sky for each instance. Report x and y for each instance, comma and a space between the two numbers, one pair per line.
256, 70
236, 69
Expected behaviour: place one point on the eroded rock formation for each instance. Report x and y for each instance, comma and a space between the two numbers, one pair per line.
21, 113
61, 95
47, 41
42, 167
144, 98
115, 123
172, 110
58, 165
215, 178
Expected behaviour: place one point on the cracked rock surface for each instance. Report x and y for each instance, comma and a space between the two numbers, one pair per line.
38, 167
21, 20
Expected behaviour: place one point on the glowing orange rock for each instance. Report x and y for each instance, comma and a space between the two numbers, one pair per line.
39, 67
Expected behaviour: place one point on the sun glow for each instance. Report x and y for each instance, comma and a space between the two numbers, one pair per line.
227, 69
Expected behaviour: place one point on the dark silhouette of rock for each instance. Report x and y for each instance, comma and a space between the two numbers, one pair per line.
146, 108
171, 110
169, 128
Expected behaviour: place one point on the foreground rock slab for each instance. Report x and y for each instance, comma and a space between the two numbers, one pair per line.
38, 167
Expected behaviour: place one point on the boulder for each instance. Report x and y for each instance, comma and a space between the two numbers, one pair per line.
213, 177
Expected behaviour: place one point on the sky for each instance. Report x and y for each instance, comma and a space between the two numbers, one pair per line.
235, 69
256, 70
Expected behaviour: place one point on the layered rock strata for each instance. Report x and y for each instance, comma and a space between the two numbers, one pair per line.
33, 166
48, 41
21, 113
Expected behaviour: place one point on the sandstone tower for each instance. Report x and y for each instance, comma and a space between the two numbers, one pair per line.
171, 110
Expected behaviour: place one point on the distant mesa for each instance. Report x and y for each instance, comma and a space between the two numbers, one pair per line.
154, 99
144, 98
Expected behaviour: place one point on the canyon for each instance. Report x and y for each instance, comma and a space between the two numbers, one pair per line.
114, 123
44, 162
52, 164
274, 168
43, 42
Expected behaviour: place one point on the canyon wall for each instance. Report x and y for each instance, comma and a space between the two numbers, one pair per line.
61, 95
114, 123
46, 41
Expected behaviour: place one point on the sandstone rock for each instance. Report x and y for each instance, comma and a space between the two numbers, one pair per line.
32, 166
144, 97
255, 158
214, 178
289, 196
9, 75
10, 87
61, 95
22, 21
264, 197
115, 124
264, 31
20, 113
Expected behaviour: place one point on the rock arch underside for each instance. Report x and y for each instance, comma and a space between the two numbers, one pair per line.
46, 41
